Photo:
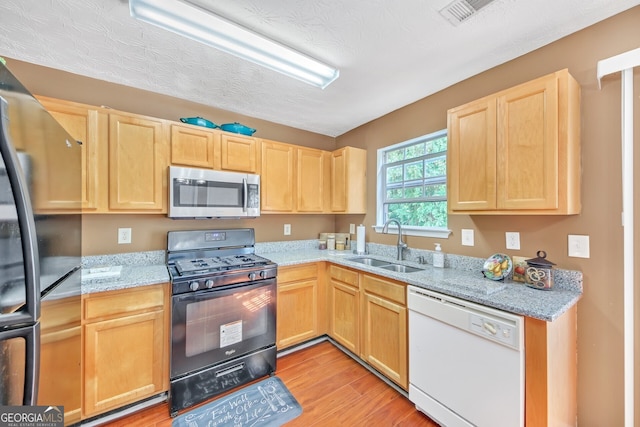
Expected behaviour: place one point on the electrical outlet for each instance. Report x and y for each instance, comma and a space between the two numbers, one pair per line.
467, 237
352, 228
124, 236
513, 240
287, 229
578, 246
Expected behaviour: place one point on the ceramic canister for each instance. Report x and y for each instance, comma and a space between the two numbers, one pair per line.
539, 273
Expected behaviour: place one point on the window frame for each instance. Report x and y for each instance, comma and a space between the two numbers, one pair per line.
410, 230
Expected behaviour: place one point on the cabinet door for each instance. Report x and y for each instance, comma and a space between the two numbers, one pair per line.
344, 321
297, 312
192, 147
471, 159
60, 377
122, 363
137, 164
277, 178
385, 338
81, 122
239, 153
310, 179
298, 305
527, 146
348, 180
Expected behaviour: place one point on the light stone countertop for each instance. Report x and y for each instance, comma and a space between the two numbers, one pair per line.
469, 285
461, 277
138, 269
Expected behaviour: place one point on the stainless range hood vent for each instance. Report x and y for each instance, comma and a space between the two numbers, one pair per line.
459, 11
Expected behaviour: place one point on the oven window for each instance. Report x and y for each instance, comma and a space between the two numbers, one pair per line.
219, 322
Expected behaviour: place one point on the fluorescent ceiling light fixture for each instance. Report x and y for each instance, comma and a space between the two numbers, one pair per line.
191, 21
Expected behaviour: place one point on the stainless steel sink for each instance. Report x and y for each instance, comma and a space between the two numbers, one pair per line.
400, 268
385, 264
369, 261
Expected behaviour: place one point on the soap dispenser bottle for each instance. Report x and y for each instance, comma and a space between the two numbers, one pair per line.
438, 257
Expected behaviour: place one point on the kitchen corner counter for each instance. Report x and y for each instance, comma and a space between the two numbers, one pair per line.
138, 269
469, 285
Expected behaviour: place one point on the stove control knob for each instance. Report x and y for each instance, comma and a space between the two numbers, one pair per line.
252, 276
209, 283
194, 285
263, 274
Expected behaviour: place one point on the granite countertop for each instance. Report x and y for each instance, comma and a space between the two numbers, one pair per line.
509, 296
138, 269
461, 277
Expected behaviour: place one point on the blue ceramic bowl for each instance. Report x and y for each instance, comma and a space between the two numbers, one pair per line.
237, 128
199, 121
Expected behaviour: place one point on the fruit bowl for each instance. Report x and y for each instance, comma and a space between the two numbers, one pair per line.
497, 267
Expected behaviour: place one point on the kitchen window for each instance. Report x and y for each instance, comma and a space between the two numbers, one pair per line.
412, 185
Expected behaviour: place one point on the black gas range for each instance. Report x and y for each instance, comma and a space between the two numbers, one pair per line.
206, 259
223, 313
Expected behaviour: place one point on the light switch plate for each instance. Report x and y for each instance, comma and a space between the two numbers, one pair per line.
467, 237
578, 246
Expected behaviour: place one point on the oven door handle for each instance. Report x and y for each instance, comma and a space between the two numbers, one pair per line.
245, 195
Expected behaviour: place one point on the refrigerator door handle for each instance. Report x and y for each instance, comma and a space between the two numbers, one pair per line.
26, 222
32, 366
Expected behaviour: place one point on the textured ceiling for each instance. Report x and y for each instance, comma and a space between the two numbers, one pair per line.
390, 53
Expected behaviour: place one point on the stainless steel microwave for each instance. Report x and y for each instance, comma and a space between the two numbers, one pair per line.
206, 193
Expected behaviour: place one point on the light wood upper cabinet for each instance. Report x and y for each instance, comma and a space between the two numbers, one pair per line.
82, 123
191, 146
311, 180
138, 160
277, 177
239, 153
517, 151
126, 325
348, 180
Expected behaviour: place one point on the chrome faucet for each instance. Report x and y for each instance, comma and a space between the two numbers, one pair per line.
401, 244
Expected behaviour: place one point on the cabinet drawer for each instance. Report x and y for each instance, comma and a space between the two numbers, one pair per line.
391, 290
298, 272
126, 301
344, 275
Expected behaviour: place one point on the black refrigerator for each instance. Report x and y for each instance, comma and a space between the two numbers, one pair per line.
40, 247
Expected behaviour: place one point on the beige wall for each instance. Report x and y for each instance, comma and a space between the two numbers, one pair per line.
149, 232
600, 375
600, 312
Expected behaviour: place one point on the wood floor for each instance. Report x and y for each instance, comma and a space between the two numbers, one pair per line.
333, 390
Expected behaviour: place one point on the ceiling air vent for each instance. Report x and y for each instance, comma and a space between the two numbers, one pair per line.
459, 11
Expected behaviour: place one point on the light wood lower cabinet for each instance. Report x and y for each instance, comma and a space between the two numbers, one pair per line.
60, 377
384, 327
344, 307
125, 343
301, 311
551, 371
368, 316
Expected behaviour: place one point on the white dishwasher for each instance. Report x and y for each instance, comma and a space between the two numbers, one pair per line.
466, 361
